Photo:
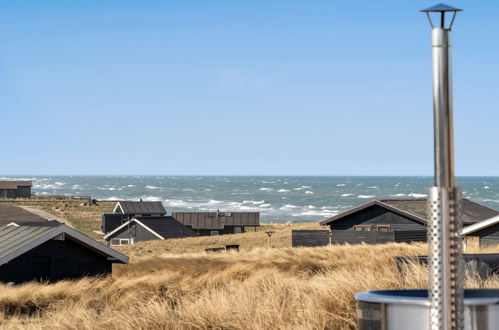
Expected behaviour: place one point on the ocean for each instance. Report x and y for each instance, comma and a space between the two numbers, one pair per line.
277, 198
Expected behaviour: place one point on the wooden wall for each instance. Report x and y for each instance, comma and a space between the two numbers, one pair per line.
309, 238
55, 260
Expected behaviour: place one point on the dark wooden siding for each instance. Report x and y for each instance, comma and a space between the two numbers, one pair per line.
23, 192
402, 236
488, 236
110, 222
224, 231
309, 238
53, 261
7, 193
376, 215
135, 231
357, 237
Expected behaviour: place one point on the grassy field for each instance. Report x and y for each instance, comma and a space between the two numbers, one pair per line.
78, 213
172, 284
279, 288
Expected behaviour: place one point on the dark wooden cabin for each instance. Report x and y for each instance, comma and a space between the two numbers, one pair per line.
127, 210
218, 223
15, 189
51, 253
393, 220
148, 228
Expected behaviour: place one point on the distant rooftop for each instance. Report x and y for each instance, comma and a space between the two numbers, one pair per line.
138, 208
415, 208
15, 184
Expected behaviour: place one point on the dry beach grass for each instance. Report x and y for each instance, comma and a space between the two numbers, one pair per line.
280, 288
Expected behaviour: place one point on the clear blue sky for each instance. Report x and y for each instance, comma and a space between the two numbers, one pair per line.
239, 87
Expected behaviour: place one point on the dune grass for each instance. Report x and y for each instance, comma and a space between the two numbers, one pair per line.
78, 213
280, 288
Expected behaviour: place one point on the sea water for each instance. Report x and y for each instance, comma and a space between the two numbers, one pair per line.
277, 198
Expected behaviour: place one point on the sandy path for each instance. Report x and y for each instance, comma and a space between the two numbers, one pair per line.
45, 214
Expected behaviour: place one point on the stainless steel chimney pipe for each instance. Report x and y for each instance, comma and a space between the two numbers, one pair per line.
444, 199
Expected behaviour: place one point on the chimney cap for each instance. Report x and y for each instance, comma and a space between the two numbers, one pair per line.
440, 8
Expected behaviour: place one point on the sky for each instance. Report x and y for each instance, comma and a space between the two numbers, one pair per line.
255, 87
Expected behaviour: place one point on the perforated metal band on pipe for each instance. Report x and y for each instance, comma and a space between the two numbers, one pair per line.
445, 259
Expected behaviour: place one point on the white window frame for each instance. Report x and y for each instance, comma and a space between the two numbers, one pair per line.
238, 230
361, 228
121, 241
214, 233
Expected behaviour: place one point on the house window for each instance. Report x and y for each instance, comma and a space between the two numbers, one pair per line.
383, 228
237, 230
214, 233
120, 241
362, 228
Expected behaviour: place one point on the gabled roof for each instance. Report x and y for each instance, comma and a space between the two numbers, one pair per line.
161, 227
217, 220
16, 240
167, 227
15, 184
132, 207
480, 225
415, 208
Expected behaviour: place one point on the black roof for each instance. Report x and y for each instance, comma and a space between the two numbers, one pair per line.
132, 207
10, 213
15, 184
17, 240
217, 220
415, 208
167, 227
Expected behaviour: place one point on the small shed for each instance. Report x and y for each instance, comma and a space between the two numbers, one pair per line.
52, 253
127, 210
148, 228
15, 189
218, 223
394, 220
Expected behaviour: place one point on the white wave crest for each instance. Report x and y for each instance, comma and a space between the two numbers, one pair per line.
366, 196
415, 195
252, 202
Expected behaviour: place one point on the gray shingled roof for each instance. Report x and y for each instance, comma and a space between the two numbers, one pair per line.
15, 184
415, 208
16, 240
210, 220
131, 207
14, 237
167, 227
10, 213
